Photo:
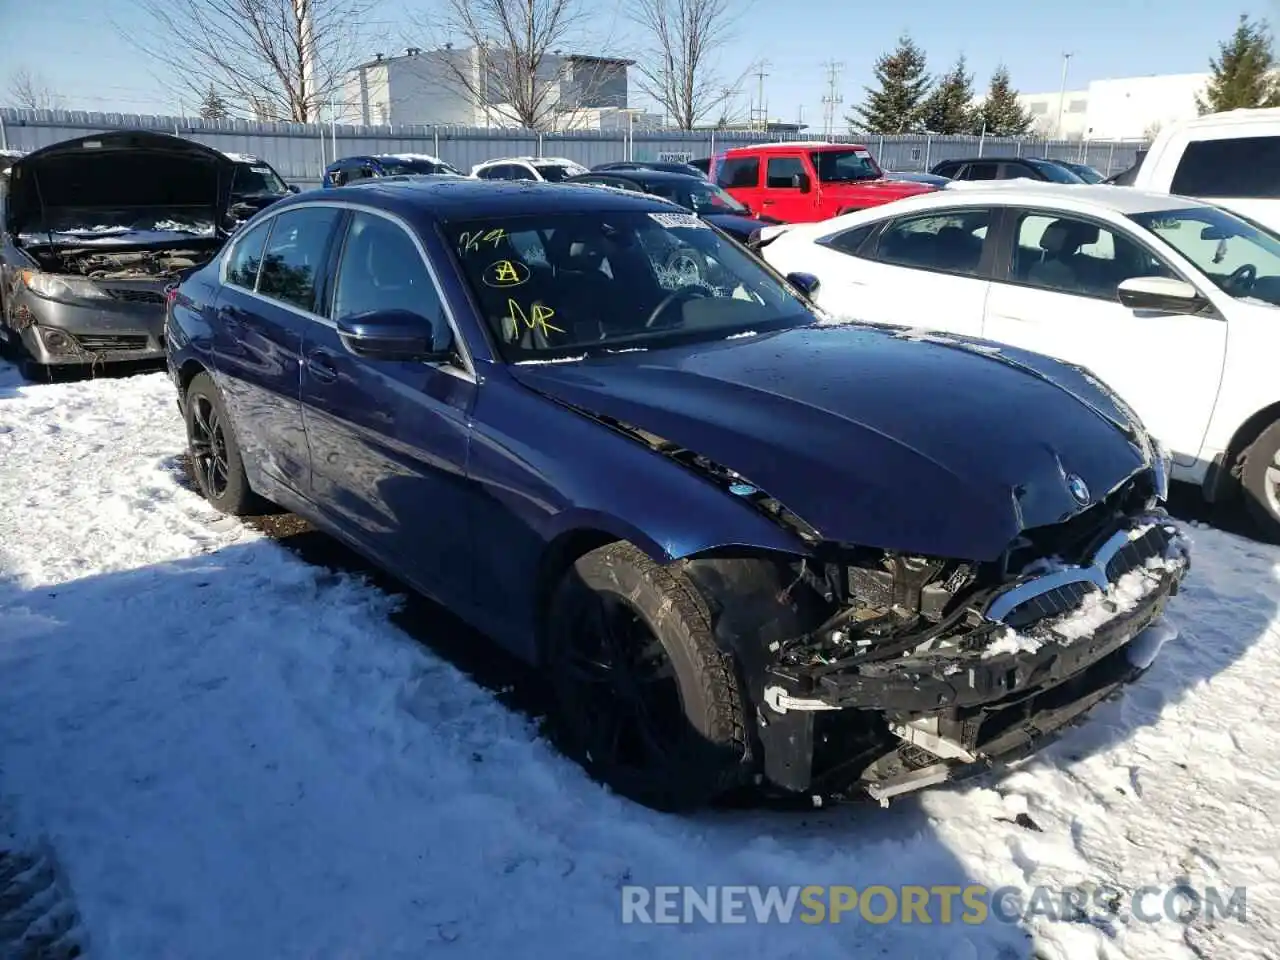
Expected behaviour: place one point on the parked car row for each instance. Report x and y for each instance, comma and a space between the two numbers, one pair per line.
750, 543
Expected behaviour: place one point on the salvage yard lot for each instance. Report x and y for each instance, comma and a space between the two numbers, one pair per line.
237, 752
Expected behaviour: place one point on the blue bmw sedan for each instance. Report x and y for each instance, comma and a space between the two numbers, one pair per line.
748, 546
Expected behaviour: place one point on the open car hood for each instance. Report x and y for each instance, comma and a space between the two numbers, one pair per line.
124, 170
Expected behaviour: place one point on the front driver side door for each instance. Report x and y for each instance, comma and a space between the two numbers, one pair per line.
1056, 293
389, 438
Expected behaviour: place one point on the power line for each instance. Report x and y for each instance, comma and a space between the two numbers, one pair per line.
832, 98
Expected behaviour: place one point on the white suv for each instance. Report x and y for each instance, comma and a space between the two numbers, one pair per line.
550, 169
1172, 302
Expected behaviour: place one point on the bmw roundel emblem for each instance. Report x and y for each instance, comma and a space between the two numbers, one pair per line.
1079, 489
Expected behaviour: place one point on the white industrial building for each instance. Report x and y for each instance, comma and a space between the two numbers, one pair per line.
1128, 108
425, 86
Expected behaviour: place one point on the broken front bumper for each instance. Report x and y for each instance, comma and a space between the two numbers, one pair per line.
952, 715
124, 324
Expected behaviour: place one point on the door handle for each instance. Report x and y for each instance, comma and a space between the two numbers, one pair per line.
321, 366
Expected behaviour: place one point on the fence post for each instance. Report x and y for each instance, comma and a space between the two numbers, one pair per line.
880, 149
4, 137
928, 150
435, 140
1111, 156
539, 143
713, 144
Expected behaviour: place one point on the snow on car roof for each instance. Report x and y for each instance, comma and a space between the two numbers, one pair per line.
1123, 200
414, 158
240, 157
536, 161
12, 153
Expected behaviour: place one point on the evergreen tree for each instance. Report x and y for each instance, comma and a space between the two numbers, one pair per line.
949, 109
1242, 74
1000, 114
896, 107
213, 106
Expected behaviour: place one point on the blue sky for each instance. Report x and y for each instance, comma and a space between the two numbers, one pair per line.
86, 61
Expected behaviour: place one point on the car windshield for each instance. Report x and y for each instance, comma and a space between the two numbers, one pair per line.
1053, 171
1084, 172
1241, 258
393, 166
562, 286
700, 196
843, 166
555, 172
253, 180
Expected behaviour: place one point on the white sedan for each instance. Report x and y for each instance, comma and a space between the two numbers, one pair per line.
1173, 303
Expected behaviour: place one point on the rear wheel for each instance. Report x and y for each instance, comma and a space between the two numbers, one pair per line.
648, 702
216, 464
1260, 481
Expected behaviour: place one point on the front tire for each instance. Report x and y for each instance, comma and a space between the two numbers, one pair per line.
1260, 483
648, 702
216, 464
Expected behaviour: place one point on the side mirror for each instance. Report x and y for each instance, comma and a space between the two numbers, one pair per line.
294, 188
800, 181
1161, 294
1213, 233
391, 335
806, 283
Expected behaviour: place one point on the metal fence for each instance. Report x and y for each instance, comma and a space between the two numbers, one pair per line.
300, 151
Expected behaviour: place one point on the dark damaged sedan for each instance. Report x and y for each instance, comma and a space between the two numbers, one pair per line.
749, 549
94, 230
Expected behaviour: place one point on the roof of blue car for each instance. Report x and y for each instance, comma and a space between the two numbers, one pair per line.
451, 199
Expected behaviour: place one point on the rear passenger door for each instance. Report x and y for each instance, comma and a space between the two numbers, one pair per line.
268, 298
388, 439
928, 271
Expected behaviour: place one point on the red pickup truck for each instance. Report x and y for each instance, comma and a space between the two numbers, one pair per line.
800, 182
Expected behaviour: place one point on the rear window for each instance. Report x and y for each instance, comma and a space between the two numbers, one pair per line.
1242, 167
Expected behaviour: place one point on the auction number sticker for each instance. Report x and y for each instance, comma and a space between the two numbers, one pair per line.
678, 221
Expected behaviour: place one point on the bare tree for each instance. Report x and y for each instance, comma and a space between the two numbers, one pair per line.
30, 91
512, 61
278, 59
679, 68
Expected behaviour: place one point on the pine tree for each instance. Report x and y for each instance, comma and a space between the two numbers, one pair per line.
1242, 73
1000, 114
213, 106
949, 109
896, 107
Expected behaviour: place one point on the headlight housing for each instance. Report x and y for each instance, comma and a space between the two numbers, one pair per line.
54, 287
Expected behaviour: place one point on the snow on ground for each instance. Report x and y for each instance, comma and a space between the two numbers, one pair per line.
236, 754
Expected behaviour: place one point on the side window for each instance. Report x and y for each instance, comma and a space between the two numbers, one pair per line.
948, 169
1243, 167
242, 267
1012, 171
517, 171
781, 171
1078, 257
950, 242
381, 269
850, 241
981, 171
739, 172
295, 255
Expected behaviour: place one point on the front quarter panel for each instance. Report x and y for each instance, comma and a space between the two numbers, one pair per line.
545, 471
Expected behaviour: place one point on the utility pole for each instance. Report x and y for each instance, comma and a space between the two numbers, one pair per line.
1062, 92
832, 98
760, 112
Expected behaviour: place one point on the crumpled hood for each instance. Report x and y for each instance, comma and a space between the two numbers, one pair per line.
118, 171
874, 436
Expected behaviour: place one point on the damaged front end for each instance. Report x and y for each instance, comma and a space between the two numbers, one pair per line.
927, 670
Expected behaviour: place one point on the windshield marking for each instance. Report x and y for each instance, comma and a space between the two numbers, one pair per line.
506, 273
536, 319
472, 239
678, 221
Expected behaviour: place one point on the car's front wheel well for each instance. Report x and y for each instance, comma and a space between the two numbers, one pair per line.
557, 558
188, 372
1225, 481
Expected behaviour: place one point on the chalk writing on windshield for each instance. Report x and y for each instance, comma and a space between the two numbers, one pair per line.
535, 319
505, 273
472, 240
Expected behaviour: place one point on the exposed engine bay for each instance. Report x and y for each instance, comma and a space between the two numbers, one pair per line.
99, 264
